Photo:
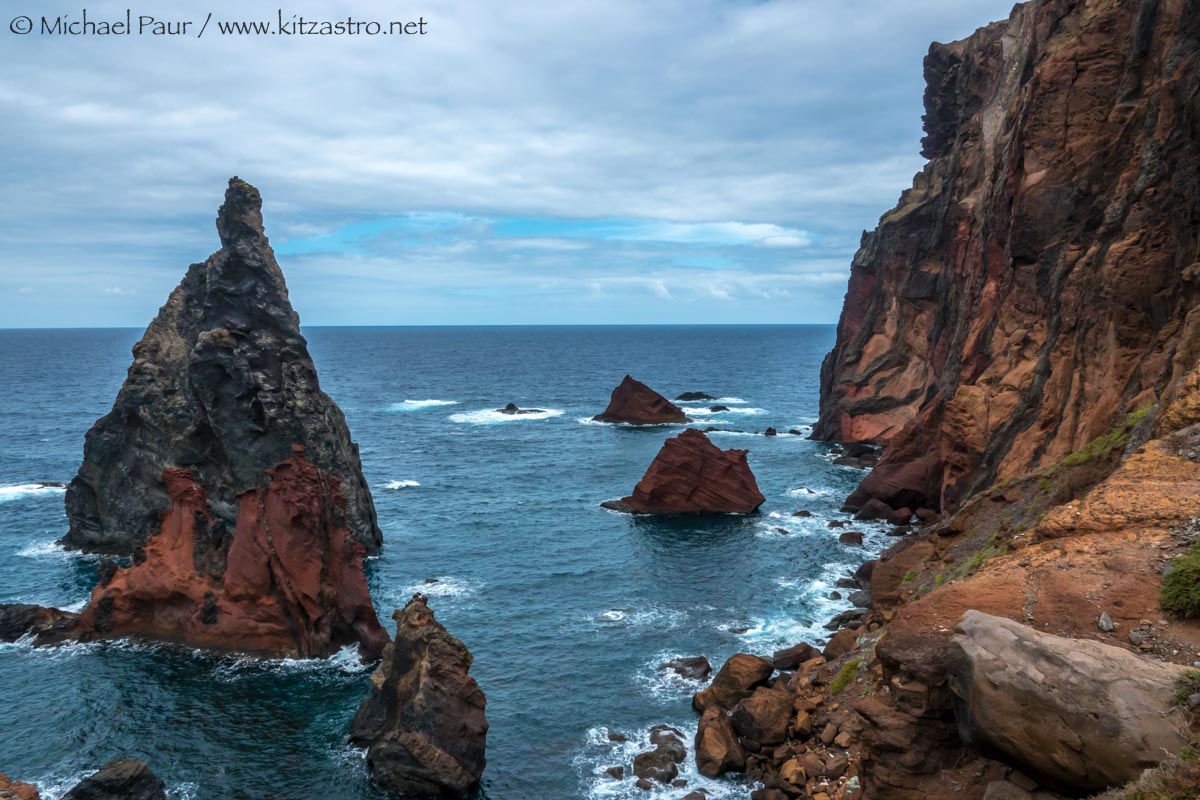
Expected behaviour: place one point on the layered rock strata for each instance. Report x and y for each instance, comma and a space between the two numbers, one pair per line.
222, 385
635, 403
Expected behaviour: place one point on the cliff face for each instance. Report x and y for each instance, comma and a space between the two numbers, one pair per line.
1040, 279
222, 385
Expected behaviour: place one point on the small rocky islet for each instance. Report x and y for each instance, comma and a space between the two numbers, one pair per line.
1015, 370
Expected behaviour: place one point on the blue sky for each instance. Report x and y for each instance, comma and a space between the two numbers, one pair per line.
624, 161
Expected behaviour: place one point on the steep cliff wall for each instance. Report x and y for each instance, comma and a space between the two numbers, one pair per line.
1040, 279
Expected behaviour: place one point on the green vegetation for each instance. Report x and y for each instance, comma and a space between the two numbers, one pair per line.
909, 577
1115, 439
937, 581
1174, 779
1180, 593
1186, 685
847, 674
1044, 485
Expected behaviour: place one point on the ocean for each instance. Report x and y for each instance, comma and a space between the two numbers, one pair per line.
569, 609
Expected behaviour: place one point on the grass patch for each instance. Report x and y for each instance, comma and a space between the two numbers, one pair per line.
1174, 779
1044, 485
1186, 685
909, 577
1102, 445
1180, 593
848, 673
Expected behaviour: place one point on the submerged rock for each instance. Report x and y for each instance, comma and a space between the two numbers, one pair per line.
289, 580
222, 384
512, 408
120, 779
694, 667
1079, 714
44, 624
423, 725
691, 397
691, 475
635, 403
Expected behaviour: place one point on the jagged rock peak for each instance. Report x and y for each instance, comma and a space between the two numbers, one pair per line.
221, 384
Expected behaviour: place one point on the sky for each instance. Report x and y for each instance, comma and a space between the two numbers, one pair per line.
523, 162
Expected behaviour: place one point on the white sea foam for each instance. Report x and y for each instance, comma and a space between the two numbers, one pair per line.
635, 617
20, 491
806, 492
590, 421
417, 405
598, 753
232, 668
783, 628
720, 401
50, 549
704, 412
395, 485
443, 586
667, 684
488, 416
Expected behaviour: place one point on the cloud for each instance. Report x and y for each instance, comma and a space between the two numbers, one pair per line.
629, 136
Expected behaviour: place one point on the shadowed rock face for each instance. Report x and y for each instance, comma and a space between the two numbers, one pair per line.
222, 385
423, 725
691, 475
635, 403
1040, 278
1082, 715
120, 779
290, 581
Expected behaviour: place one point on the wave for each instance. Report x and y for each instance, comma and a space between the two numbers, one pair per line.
784, 628
590, 421
599, 752
418, 405
704, 412
721, 401
51, 549
667, 685
231, 667
489, 416
630, 617
20, 491
395, 485
443, 587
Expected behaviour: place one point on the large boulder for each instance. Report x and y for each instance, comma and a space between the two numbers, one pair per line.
764, 715
16, 790
735, 681
120, 779
691, 475
221, 384
635, 403
1078, 714
423, 725
717, 747
288, 581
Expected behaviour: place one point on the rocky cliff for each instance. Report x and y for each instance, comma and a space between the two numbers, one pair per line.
1040, 279
221, 385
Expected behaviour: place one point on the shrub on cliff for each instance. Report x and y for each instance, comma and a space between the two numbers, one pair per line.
1181, 586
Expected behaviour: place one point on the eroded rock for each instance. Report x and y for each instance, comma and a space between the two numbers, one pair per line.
635, 403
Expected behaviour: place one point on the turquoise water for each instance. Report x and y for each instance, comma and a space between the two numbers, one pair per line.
568, 608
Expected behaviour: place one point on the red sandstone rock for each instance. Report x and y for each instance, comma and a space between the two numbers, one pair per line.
636, 403
289, 581
717, 747
16, 790
1035, 283
736, 680
691, 475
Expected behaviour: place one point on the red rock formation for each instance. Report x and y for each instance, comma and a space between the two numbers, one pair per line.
289, 581
16, 790
1040, 279
423, 725
691, 475
636, 403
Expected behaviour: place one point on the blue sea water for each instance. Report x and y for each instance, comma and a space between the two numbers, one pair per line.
568, 608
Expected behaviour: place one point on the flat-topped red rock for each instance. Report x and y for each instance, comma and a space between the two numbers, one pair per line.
635, 403
691, 475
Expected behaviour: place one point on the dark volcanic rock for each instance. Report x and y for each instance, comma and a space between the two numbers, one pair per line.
1039, 279
120, 779
512, 408
221, 384
45, 624
694, 668
636, 403
289, 580
694, 397
691, 475
423, 725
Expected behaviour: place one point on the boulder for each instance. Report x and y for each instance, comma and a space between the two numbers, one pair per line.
16, 790
874, 509
512, 409
289, 580
423, 725
635, 403
793, 656
735, 681
45, 624
120, 779
842, 642
717, 747
1079, 715
764, 716
851, 538
691, 475
662, 763
221, 384
691, 397
694, 668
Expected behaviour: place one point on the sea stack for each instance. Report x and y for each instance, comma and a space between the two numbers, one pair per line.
635, 403
691, 475
221, 385
423, 725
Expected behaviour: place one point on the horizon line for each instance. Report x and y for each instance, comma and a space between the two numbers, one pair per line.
488, 325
